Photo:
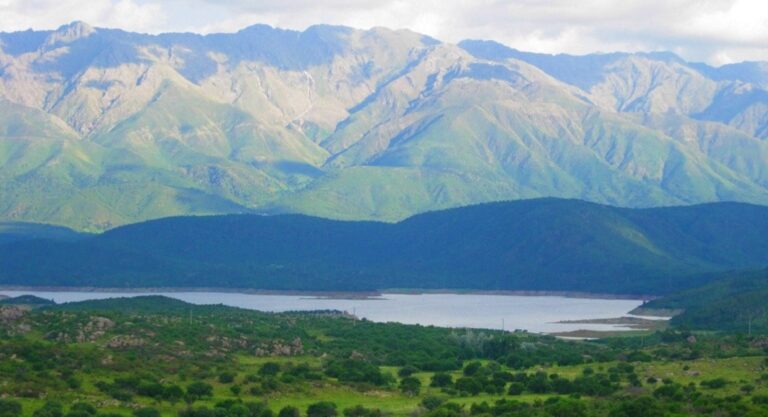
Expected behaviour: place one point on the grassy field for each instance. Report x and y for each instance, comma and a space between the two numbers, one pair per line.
115, 354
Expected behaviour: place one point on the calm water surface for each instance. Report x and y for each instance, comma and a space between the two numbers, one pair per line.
533, 313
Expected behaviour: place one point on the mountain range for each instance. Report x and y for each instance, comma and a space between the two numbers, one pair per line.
102, 127
542, 244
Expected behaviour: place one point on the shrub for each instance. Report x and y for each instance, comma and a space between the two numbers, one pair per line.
410, 386
289, 411
441, 380
10, 408
472, 368
269, 369
226, 377
49, 409
360, 411
407, 370
431, 402
198, 390
322, 409
146, 412
714, 383
173, 394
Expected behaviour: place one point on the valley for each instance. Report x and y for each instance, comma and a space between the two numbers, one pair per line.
327, 221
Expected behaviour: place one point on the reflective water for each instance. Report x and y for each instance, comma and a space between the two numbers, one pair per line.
510, 312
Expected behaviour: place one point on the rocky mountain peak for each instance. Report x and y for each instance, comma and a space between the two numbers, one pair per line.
70, 33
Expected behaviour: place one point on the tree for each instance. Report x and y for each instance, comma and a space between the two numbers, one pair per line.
322, 409
441, 380
198, 390
431, 402
269, 369
146, 412
360, 411
173, 394
10, 408
472, 368
82, 410
49, 409
226, 377
567, 408
289, 411
151, 390
407, 370
469, 385
639, 407
410, 386
516, 388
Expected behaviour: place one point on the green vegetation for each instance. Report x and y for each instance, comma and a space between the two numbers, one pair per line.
359, 124
734, 301
26, 300
546, 244
152, 356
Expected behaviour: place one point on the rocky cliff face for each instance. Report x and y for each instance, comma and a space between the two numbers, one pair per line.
103, 127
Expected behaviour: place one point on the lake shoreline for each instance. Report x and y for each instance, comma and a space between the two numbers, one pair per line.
340, 295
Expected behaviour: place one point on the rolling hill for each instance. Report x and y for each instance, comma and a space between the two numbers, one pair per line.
543, 244
102, 127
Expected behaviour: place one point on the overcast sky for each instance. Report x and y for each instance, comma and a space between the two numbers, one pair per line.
714, 31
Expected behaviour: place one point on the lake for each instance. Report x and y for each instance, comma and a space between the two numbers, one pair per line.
538, 314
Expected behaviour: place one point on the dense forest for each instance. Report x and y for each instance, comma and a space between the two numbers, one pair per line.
734, 301
546, 244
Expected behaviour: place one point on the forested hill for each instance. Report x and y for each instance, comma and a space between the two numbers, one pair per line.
544, 244
734, 301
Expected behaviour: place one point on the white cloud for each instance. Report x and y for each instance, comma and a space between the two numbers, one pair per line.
48, 14
716, 31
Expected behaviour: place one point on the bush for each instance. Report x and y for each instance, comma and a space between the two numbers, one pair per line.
289, 411
566, 408
431, 402
198, 390
407, 370
472, 368
226, 377
173, 394
714, 383
49, 409
410, 386
269, 369
146, 412
469, 385
10, 408
350, 370
441, 380
83, 409
516, 388
322, 409
639, 407
150, 389
360, 411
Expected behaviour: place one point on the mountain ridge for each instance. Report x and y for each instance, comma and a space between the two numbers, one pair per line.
543, 245
105, 127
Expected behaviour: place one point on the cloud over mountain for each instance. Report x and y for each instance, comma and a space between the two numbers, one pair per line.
717, 32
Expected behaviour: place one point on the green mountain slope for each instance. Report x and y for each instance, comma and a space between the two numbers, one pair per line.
100, 127
15, 232
734, 301
545, 244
